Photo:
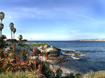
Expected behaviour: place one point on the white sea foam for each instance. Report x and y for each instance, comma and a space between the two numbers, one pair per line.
72, 56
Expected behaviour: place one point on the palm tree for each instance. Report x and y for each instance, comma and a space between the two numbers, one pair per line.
1, 27
2, 15
11, 25
14, 30
20, 37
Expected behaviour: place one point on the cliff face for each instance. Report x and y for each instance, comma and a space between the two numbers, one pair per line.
93, 40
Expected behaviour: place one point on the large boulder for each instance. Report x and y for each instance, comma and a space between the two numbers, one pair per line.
58, 49
52, 51
46, 46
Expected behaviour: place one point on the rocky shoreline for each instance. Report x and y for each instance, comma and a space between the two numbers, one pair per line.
54, 59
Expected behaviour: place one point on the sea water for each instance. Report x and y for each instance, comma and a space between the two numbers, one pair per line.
93, 60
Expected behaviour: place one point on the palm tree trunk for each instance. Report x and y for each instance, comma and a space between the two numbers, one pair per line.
11, 34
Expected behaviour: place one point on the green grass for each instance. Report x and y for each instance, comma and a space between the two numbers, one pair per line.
32, 44
36, 44
98, 74
18, 75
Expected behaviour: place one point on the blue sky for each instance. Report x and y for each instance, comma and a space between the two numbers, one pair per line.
55, 19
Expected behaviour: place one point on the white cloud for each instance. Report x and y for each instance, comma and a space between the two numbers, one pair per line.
75, 30
87, 17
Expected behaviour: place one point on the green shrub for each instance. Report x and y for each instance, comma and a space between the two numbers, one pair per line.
78, 75
98, 74
18, 75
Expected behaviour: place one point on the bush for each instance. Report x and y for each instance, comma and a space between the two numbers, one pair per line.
18, 75
78, 75
98, 74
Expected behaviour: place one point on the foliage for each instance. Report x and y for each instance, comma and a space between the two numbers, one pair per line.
98, 74
78, 75
20, 37
2, 15
25, 74
24, 40
3, 37
12, 40
59, 73
32, 44
36, 44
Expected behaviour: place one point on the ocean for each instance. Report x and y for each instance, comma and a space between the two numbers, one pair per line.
93, 60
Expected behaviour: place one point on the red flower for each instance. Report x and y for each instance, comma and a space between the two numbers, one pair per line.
34, 50
5, 56
46, 54
14, 44
11, 50
4, 52
32, 55
16, 57
39, 66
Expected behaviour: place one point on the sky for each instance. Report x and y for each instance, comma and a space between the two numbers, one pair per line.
54, 19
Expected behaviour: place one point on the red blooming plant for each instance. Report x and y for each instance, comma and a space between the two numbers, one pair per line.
16, 57
14, 44
5, 56
24, 53
46, 55
39, 66
12, 50
4, 52
34, 50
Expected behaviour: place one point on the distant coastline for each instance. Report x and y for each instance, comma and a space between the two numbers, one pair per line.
91, 40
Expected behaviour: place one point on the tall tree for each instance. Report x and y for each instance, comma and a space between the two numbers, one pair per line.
1, 27
20, 37
2, 15
14, 30
11, 25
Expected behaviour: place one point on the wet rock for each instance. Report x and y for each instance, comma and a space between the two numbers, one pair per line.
77, 54
69, 51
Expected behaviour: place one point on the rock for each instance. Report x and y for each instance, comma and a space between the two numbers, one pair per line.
58, 49
82, 53
54, 68
77, 54
52, 55
52, 51
40, 48
49, 50
46, 46
69, 51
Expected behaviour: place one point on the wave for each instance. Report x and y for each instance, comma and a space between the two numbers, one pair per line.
72, 56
